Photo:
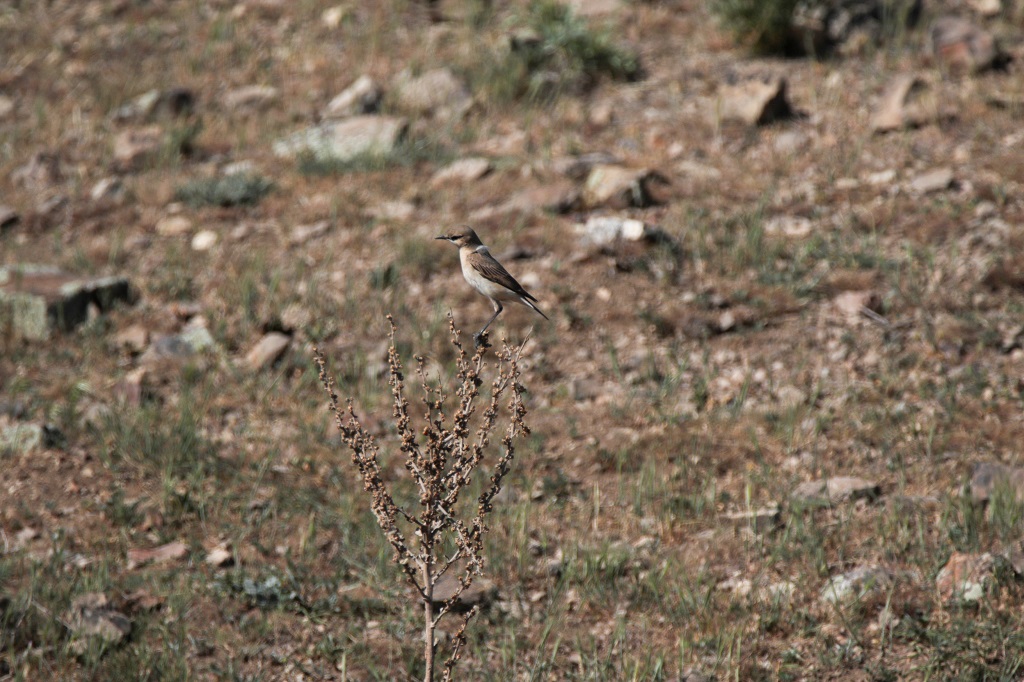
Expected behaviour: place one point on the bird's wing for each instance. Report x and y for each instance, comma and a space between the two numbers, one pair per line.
484, 263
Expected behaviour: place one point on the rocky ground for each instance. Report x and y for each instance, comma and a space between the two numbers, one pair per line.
776, 415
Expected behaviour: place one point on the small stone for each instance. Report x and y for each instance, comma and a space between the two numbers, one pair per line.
20, 439
861, 584
578, 167
436, 93
173, 226
605, 230
908, 102
617, 187
964, 47
837, 490
108, 190
332, 16
933, 181
251, 98
204, 240
987, 477
346, 139
267, 350
220, 557
91, 616
852, 304
175, 101
755, 101
986, 8
463, 170
303, 233
136, 147
134, 338
795, 227
964, 576
362, 97
480, 593
555, 197
36, 300
6, 107
171, 551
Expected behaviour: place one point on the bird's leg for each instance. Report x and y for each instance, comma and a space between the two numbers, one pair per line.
480, 338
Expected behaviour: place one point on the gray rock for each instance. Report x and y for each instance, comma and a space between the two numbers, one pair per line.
109, 190
986, 477
251, 98
964, 576
962, 46
617, 187
908, 102
362, 97
933, 181
303, 233
204, 240
155, 103
178, 347
480, 593
436, 93
861, 584
20, 438
346, 139
755, 101
267, 350
837, 490
986, 8
608, 229
555, 197
6, 107
579, 166
92, 617
173, 226
136, 147
463, 170
36, 300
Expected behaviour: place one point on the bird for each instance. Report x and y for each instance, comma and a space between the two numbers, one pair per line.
485, 274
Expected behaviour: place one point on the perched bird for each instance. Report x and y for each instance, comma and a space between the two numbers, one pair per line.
486, 275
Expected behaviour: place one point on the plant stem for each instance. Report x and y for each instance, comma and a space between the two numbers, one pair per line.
428, 618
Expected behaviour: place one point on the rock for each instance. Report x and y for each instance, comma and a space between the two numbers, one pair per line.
303, 233
220, 557
755, 101
864, 583
964, 47
173, 226
6, 107
362, 97
763, 520
8, 218
92, 617
480, 593
171, 551
172, 102
251, 98
136, 147
108, 190
986, 8
618, 188
347, 139
437, 93
578, 167
43, 171
178, 347
964, 576
20, 439
333, 16
853, 304
933, 181
908, 102
267, 350
204, 240
555, 197
794, 227
837, 490
134, 338
36, 300
463, 170
605, 230
986, 477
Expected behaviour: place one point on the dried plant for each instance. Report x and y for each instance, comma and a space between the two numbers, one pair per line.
442, 535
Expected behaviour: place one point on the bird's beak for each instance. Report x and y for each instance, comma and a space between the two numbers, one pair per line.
442, 237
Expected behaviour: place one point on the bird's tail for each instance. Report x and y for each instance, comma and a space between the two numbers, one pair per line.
529, 303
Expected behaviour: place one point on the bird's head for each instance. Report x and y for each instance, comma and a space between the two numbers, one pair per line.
461, 236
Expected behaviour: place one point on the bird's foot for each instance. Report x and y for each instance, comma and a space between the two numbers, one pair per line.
480, 340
